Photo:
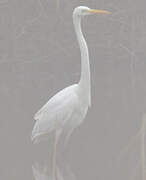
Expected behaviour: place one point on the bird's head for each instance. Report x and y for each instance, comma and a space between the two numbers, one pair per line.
83, 11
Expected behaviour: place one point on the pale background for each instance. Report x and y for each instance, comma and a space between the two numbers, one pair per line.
39, 56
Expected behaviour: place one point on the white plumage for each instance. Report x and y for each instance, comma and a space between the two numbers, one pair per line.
64, 110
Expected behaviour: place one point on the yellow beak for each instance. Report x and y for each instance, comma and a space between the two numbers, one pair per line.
94, 11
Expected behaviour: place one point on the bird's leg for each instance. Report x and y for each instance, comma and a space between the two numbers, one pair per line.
54, 159
57, 5
143, 149
57, 134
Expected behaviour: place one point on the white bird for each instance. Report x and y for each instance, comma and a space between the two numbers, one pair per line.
68, 108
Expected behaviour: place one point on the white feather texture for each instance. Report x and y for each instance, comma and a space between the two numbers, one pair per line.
64, 110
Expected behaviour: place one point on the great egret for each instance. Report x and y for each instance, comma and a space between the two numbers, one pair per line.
68, 108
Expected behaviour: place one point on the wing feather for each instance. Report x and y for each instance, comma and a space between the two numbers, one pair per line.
55, 101
55, 112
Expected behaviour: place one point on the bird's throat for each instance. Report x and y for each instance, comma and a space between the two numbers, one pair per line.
84, 83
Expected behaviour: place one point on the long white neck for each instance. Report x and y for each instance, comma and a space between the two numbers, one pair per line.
84, 83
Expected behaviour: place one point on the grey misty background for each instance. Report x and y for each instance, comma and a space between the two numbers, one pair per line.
39, 56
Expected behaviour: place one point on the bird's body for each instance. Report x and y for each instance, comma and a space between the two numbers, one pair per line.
65, 111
